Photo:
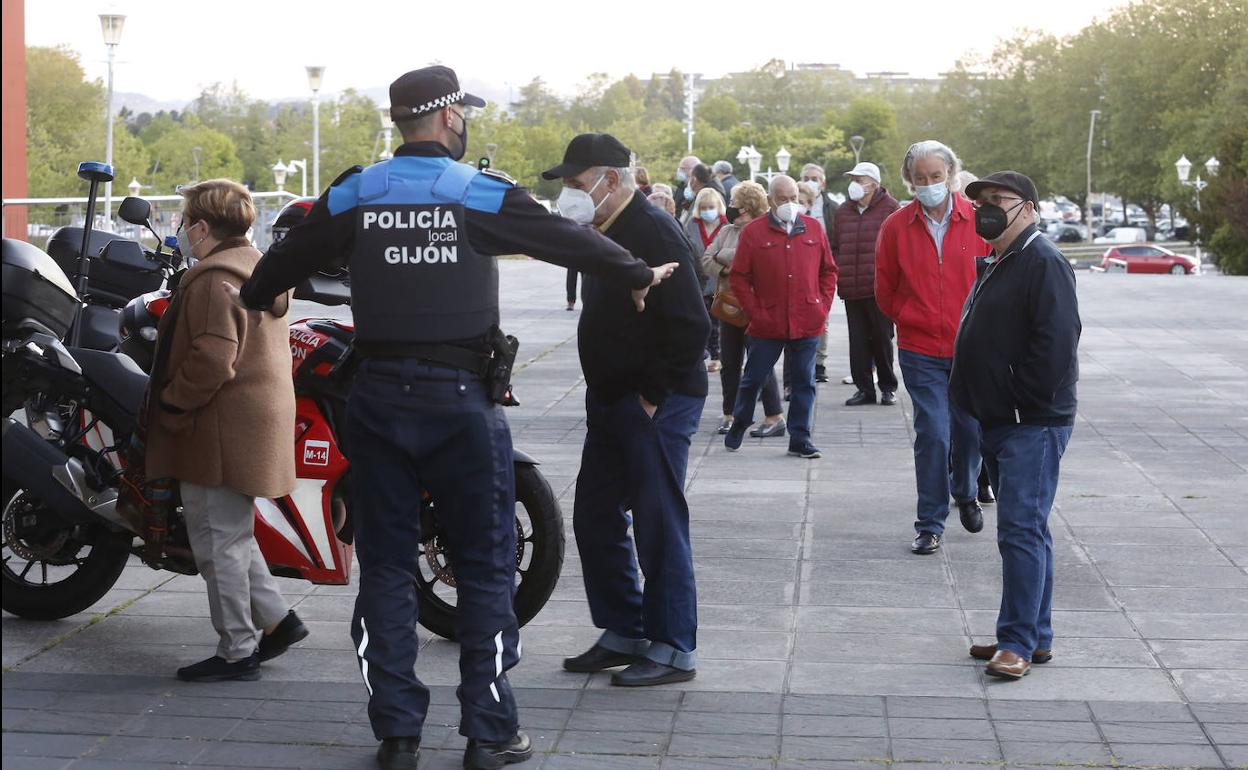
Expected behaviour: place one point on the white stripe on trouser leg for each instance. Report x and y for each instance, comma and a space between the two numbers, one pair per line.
363, 660
498, 665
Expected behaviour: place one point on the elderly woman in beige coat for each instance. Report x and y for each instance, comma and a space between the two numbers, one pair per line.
749, 200
223, 424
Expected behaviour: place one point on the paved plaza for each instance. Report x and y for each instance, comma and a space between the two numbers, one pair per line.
823, 642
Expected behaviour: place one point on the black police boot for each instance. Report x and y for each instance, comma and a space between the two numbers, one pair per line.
487, 755
398, 753
290, 631
646, 673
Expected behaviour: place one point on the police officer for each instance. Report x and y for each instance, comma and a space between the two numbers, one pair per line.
419, 234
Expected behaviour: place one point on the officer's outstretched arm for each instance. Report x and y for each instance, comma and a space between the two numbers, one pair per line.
523, 226
322, 239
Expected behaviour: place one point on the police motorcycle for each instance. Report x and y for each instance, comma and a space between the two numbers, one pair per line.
64, 541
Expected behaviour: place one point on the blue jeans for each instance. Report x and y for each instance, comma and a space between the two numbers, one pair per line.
946, 440
761, 363
632, 462
1023, 464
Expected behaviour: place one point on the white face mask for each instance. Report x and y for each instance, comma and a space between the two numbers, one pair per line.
578, 205
856, 191
787, 212
184, 243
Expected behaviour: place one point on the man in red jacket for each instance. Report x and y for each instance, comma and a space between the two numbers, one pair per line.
924, 270
858, 222
785, 278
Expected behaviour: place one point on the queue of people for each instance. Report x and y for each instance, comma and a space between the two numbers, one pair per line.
989, 360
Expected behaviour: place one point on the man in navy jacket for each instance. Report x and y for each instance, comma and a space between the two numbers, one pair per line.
1015, 365
646, 386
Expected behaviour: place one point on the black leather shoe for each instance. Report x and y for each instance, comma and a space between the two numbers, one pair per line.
926, 543
972, 516
821, 373
986, 497
290, 631
888, 398
597, 658
645, 673
218, 669
860, 398
398, 753
485, 755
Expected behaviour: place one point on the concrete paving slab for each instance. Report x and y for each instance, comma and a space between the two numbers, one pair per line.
823, 642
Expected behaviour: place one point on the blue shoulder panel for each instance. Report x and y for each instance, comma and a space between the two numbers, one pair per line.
344, 196
452, 184
486, 193
375, 181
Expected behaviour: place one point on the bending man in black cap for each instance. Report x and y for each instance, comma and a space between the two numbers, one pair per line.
419, 234
1015, 364
646, 388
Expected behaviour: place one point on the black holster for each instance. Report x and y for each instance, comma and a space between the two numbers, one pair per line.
502, 364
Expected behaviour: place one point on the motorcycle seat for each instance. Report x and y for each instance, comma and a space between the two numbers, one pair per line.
116, 374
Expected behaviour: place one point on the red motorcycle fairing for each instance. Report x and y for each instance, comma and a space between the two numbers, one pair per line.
296, 533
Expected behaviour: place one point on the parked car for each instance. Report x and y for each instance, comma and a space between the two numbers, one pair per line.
1123, 235
1066, 232
1145, 258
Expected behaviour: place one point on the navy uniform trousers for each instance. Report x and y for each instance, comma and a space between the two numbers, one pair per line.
414, 427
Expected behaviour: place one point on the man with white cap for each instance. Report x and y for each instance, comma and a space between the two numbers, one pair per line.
858, 222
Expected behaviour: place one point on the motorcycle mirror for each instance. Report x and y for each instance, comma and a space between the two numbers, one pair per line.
136, 211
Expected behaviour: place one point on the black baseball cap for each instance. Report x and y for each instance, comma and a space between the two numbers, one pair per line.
589, 150
422, 91
1019, 184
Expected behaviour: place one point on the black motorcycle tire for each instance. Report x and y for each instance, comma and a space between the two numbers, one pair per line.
87, 585
542, 574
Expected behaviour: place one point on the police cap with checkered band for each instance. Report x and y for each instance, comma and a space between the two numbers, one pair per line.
426, 90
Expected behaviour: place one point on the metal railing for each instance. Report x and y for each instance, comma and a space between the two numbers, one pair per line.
71, 212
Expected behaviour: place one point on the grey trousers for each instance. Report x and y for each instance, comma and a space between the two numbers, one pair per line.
242, 596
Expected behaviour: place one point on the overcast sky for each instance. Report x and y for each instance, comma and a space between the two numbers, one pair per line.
170, 49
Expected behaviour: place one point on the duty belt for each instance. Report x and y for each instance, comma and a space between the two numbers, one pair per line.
435, 354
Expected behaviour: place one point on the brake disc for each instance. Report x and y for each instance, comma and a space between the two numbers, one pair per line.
26, 550
435, 557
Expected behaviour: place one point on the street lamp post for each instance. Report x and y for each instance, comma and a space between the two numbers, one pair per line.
490, 149
315, 77
279, 174
387, 130
754, 159
111, 25
134, 187
855, 143
302, 167
1087, 218
1184, 167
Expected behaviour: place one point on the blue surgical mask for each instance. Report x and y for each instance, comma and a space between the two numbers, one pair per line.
681, 176
689, 194
709, 216
932, 195
184, 243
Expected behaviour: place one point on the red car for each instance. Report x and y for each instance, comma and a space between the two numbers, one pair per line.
1147, 258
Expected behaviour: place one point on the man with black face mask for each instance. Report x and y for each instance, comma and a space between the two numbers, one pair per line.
419, 234
1015, 364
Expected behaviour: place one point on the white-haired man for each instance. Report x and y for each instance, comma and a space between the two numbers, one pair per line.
646, 386
683, 193
723, 172
924, 269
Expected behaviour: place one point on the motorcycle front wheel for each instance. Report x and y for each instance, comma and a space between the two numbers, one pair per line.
52, 571
540, 544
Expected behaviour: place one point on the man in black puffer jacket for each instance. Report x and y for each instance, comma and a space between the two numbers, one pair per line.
1015, 365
